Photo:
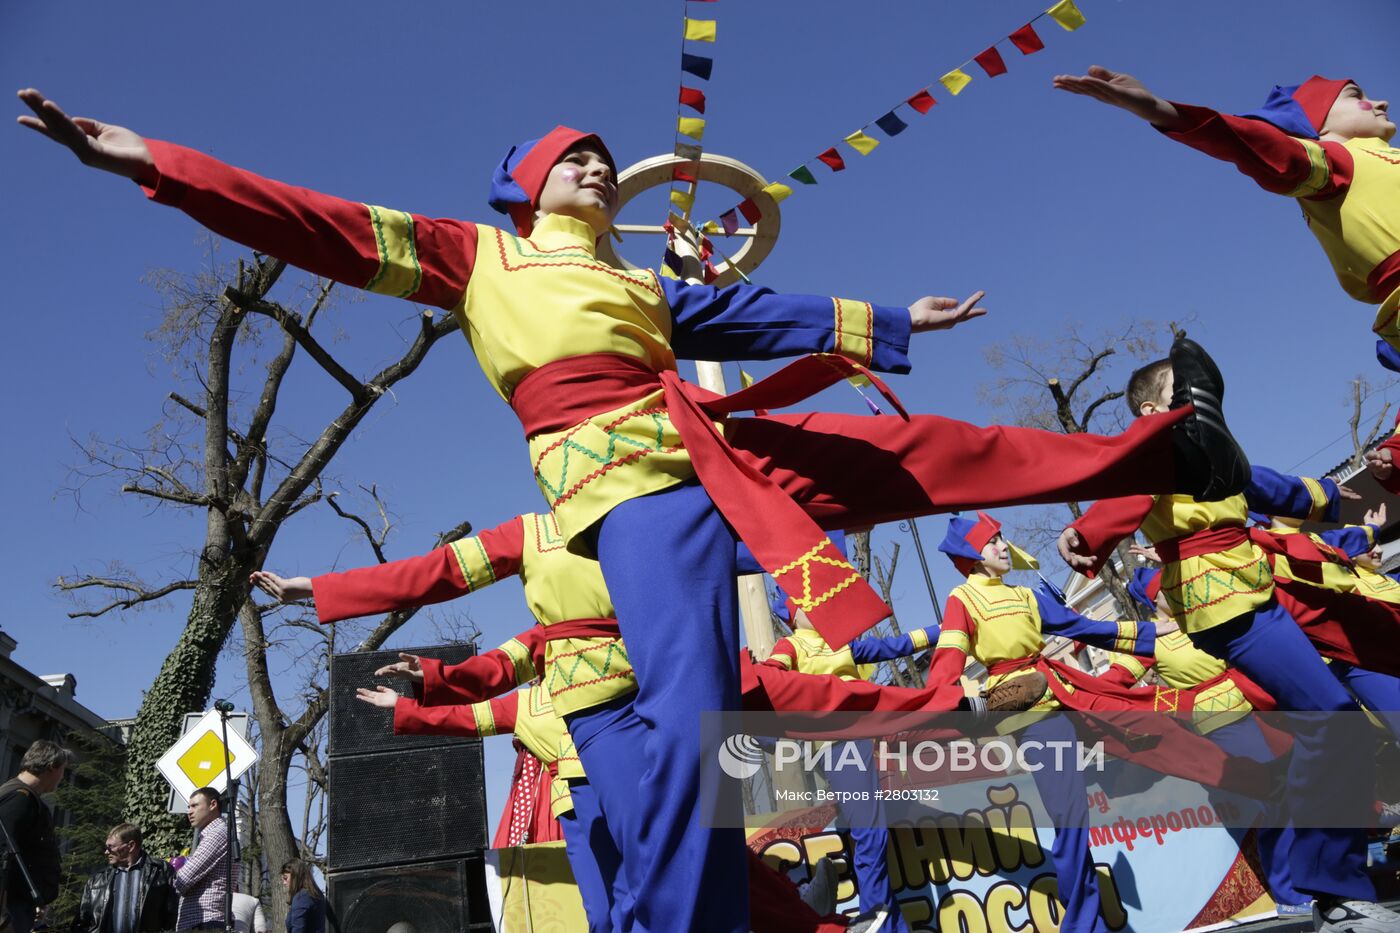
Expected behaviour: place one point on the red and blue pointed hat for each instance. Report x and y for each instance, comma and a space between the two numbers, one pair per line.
517, 182
1301, 109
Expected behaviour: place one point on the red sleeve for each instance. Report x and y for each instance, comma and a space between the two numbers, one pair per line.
1107, 522
1123, 673
1278, 162
413, 718
486, 675
954, 644
434, 577
783, 656
325, 235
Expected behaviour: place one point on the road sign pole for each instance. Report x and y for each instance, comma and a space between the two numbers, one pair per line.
224, 707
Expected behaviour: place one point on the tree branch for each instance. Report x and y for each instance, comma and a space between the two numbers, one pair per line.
291, 323
139, 594
376, 542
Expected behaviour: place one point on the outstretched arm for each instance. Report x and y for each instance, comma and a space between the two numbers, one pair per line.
877, 648
377, 249
1123, 91
1276, 161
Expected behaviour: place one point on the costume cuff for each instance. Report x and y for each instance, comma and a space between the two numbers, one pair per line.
892, 328
1136, 637
168, 189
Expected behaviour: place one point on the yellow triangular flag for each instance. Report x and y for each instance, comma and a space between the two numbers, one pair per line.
862, 143
1021, 560
777, 191
1067, 15
710, 226
666, 272
700, 30
694, 127
957, 79
685, 200
745, 380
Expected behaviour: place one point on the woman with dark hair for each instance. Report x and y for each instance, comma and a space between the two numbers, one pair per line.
307, 913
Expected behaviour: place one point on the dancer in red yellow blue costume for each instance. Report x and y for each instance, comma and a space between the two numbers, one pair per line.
630, 459
1322, 142
1217, 582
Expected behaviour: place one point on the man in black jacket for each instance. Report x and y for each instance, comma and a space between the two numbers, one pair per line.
133, 894
29, 826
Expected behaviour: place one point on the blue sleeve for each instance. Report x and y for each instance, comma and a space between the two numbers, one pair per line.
1275, 493
1126, 635
1352, 540
870, 650
750, 322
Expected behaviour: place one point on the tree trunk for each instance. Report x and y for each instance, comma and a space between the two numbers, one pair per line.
183, 686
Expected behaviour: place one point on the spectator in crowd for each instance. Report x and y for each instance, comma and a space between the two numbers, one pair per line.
307, 913
248, 914
133, 894
204, 879
29, 826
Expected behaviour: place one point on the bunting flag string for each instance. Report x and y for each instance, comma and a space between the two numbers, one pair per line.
891, 123
690, 129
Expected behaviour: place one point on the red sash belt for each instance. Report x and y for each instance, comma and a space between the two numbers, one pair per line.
1199, 543
783, 538
1300, 549
582, 628
1012, 664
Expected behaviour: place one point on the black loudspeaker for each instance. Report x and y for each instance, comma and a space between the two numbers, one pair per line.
407, 814
430, 898
411, 806
356, 728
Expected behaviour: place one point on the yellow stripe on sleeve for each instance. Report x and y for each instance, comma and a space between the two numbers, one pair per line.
399, 273
485, 720
475, 563
854, 330
959, 641
520, 658
1318, 172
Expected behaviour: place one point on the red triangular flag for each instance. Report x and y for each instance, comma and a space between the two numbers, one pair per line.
685, 171
922, 101
750, 211
833, 159
991, 62
693, 98
1026, 40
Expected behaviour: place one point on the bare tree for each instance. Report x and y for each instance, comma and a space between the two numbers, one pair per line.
298, 742
1068, 384
217, 453
1362, 391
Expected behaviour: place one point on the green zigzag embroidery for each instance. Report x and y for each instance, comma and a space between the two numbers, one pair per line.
557, 669
1212, 582
603, 459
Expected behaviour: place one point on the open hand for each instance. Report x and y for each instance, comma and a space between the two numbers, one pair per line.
382, 697
1070, 545
114, 149
1346, 492
930, 313
1375, 517
1121, 90
282, 589
1380, 463
407, 667
1147, 551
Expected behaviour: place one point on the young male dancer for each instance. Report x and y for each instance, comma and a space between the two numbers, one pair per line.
1218, 585
629, 457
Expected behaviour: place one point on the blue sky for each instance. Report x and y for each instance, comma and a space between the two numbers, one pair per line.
1062, 209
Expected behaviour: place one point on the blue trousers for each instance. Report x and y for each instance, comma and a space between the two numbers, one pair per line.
596, 862
1275, 839
1379, 693
1273, 652
863, 818
669, 562
1066, 798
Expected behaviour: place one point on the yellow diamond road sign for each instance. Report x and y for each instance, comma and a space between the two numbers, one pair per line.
198, 759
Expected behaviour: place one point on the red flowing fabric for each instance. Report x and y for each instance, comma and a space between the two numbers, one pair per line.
779, 480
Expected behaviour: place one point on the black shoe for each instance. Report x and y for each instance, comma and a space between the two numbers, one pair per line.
821, 890
1210, 465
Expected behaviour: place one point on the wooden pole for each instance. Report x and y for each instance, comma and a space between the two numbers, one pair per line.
753, 601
